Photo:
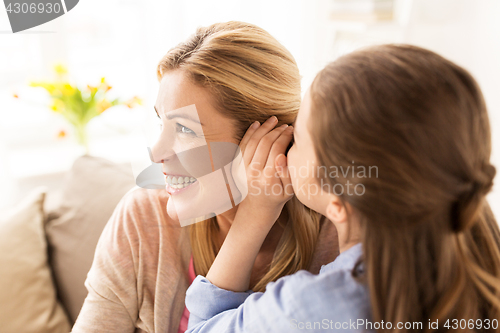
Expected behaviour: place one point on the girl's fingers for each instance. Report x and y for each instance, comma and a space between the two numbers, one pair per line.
279, 146
250, 131
284, 174
254, 139
265, 146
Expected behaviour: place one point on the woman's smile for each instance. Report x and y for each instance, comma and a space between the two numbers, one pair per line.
178, 183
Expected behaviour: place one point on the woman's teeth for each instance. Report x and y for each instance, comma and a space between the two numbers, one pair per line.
179, 182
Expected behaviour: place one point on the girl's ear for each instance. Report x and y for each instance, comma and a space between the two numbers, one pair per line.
336, 211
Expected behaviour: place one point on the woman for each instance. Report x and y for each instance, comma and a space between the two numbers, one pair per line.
233, 73
420, 248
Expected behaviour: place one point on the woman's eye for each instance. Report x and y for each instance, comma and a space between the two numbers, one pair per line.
184, 129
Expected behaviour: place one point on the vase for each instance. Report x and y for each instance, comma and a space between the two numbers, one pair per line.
81, 136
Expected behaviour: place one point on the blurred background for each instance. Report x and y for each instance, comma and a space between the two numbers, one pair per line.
123, 40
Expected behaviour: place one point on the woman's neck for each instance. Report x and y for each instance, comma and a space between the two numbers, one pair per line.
224, 221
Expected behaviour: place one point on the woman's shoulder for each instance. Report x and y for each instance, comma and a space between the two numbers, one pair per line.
137, 260
140, 228
140, 197
145, 206
140, 220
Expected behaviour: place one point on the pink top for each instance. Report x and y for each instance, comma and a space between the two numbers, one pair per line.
185, 315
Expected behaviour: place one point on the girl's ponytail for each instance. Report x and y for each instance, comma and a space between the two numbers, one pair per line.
469, 203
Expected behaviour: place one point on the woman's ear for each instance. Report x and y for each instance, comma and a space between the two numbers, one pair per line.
336, 211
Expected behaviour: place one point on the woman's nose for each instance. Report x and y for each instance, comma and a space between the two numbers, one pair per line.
161, 151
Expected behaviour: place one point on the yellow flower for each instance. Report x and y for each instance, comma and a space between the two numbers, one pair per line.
50, 87
102, 105
15, 95
60, 69
92, 89
133, 101
67, 89
137, 100
57, 105
104, 85
61, 134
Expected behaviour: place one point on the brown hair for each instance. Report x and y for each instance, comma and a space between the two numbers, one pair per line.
430, 241
252, 77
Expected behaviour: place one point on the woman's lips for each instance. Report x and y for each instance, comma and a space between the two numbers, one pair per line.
178, 183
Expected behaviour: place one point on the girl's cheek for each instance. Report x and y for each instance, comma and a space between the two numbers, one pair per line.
292, 167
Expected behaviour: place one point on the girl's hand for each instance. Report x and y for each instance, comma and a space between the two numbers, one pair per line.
269, 188
269, 184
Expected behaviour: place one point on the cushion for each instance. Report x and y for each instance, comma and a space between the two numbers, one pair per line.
90, 193
28, 300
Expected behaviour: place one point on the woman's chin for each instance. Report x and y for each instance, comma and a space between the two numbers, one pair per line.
172, 213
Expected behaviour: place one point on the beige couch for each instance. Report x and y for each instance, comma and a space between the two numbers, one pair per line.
47, 244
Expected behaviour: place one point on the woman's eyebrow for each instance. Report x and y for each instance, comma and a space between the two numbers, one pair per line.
173, 114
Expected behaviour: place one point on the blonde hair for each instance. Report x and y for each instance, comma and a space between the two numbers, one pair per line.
252, 77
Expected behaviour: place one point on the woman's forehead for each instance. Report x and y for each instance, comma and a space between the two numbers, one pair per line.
177, 91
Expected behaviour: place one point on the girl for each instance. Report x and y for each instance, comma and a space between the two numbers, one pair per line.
420, 248
233, 73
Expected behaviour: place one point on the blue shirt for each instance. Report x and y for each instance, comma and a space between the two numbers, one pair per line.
303, 302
